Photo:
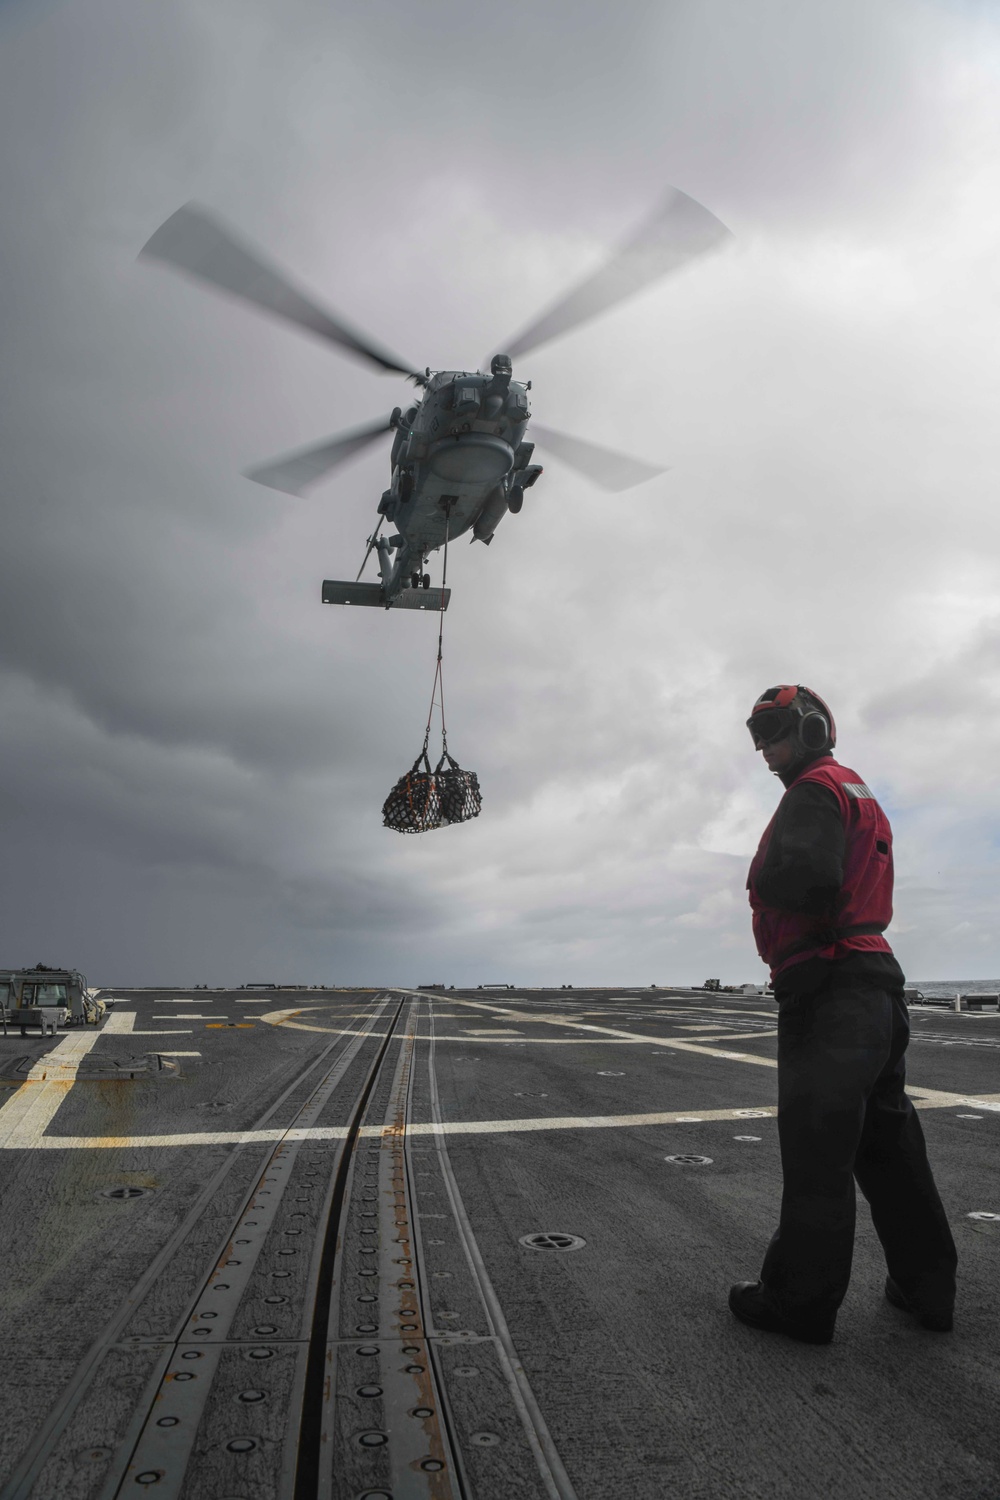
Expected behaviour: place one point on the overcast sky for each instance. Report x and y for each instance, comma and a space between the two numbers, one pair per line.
195, 752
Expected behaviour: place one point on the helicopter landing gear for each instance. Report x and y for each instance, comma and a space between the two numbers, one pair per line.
420, 580
426, 580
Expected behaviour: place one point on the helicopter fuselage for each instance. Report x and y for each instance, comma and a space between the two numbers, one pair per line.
459, 463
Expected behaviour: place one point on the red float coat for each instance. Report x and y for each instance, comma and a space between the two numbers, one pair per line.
864, 904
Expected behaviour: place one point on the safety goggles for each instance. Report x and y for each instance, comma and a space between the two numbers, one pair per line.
770, 724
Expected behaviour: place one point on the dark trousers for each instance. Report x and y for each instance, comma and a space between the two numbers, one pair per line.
843, 1115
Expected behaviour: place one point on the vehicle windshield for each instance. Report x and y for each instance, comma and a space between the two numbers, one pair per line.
43, 994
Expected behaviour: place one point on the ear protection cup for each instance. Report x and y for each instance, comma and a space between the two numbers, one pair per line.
814, 731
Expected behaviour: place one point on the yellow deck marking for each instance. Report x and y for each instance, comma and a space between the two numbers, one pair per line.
667, 1042
743, 1036
28, 1113
610, 1033
278, 1017
921, 1099
23, 1127
118, 1022
335, 1030
612, 1038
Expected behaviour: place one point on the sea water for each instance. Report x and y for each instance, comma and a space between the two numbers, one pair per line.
949, 988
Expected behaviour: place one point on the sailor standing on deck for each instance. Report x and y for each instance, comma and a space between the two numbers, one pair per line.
821, 891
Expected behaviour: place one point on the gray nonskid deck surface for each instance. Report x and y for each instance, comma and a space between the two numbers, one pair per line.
634, 1131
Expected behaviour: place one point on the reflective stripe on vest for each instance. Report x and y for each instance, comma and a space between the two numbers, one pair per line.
864, 906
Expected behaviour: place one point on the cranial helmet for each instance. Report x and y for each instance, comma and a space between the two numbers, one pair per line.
791, 708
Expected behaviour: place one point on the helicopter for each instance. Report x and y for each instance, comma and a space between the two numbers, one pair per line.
460, 460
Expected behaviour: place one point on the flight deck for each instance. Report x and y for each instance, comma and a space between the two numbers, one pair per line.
395, 1244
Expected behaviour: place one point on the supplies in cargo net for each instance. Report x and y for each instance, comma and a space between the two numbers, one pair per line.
426, 799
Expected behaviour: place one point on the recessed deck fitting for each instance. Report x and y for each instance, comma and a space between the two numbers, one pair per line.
551, 1240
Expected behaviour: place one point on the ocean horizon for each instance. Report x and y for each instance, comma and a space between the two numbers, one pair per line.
952, 987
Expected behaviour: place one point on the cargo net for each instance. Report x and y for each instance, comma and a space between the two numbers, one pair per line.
426, 799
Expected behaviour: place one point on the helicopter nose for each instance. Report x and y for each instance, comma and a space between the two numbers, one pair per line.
475, 457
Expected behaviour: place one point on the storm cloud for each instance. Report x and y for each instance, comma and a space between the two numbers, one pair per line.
195, 752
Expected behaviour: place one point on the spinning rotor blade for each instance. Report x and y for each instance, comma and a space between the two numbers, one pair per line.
612, 471
193, 242
680, 230
293, 473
